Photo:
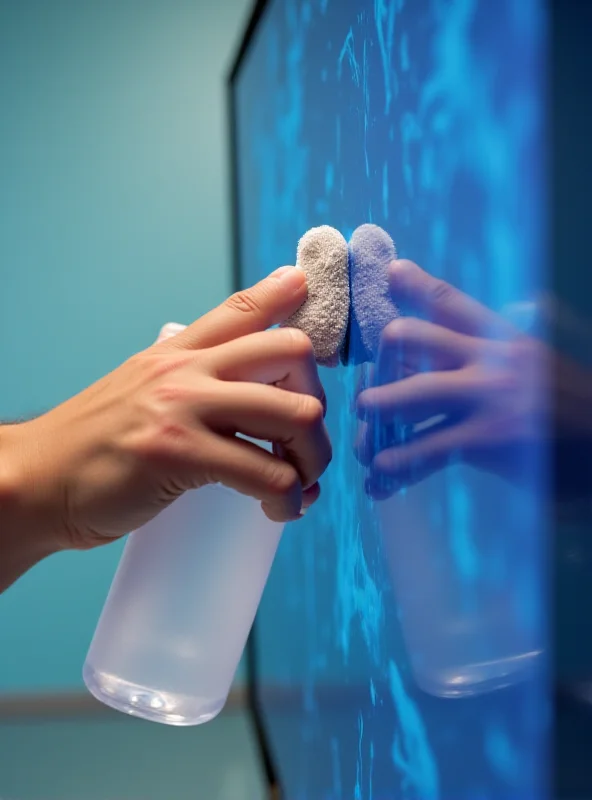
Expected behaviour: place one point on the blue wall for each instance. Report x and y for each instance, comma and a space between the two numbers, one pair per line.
113, 220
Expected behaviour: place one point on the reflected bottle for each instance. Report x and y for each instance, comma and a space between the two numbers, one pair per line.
466, 552
465, 561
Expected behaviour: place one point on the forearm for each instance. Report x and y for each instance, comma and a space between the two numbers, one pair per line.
25, 537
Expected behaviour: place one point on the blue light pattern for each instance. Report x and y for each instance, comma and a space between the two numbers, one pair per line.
425, 117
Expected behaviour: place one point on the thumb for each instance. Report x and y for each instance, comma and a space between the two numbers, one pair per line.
269, 302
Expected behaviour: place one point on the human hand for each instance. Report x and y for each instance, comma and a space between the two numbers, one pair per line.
108, 460
460, 383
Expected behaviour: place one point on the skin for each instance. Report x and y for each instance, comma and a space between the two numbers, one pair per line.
499, 397
111, 458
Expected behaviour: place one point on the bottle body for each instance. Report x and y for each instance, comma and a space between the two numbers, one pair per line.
466, 580
181, 606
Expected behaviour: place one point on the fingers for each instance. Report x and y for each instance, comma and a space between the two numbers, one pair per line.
441, 303
283, 357
292, 420
409, 345
390, 412
249, 469
269, 302
372, 437
417, 398
410, 463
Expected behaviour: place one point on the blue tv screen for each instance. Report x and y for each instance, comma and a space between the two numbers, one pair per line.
400, 641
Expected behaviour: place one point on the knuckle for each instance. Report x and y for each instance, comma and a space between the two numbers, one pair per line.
439, 293
161, 441
399, 329
308, 411
388, 465
386, 461
299, 344
272, 513
163, 426
282, 480
170, 393
244, 301
401, 273
169, 432
365, 402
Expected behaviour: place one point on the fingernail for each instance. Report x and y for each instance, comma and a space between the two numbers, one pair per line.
290, 278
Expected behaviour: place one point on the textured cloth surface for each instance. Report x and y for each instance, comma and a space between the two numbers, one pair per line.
371, 250
323, 255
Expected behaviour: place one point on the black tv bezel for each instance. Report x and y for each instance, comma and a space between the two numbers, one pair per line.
255, 709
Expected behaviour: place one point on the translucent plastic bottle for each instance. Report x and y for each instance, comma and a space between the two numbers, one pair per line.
181, 606
465, 579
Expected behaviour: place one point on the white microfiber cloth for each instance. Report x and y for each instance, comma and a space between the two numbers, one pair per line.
371, 250
323, 255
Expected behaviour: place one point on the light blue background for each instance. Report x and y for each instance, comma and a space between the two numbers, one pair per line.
113, 220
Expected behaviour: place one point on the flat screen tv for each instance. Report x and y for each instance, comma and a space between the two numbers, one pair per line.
399, 647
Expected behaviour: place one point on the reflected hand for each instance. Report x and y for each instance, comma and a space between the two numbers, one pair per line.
462, 381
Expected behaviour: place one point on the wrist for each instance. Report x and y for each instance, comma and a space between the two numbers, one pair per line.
26, 534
